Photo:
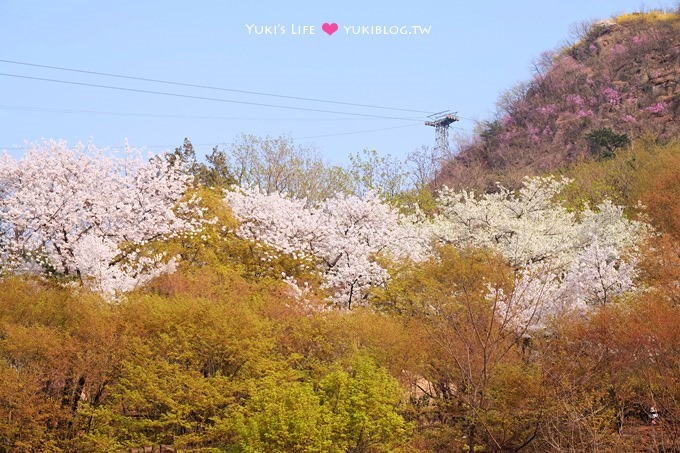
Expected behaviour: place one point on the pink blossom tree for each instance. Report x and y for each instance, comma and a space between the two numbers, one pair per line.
79, 212
563, 260
342, 235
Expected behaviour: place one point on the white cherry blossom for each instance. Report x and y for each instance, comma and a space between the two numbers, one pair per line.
343, 233
83, 213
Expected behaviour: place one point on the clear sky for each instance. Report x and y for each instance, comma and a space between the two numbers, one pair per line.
457, 55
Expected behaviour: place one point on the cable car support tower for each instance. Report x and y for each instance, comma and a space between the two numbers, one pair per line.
441, 122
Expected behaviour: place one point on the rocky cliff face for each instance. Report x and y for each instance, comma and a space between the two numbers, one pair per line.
621, 77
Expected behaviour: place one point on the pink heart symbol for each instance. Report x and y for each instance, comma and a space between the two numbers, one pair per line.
330, 28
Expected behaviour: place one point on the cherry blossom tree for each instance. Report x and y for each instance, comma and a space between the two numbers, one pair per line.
597, 275
80, 212
565, 260
342, 235
524, 226
529, 225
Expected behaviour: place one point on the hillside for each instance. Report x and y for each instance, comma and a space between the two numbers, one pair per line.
621, 80
264, 301
148, 312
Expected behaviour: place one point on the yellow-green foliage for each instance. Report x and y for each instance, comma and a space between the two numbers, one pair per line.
350, 409
206, 358
470, 349
217, 248
622, 179
651, 16
221, 356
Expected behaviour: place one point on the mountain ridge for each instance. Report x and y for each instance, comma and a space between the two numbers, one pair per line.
620, 79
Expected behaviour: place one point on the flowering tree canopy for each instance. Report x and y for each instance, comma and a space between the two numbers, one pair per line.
343, 234
528, 225
81, 213
565, 260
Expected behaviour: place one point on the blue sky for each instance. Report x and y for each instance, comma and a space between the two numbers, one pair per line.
474, 50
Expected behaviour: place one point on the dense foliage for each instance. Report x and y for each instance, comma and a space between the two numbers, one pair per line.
164, 304
542, 318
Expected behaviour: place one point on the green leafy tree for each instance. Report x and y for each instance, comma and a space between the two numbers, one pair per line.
379, 173
217, 172
276, 164
604, 142
283, 416
364, 401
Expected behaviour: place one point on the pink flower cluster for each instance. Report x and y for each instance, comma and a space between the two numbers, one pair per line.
575, 99
612, 96
658, 108
639, 39
617, 50
547, 109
